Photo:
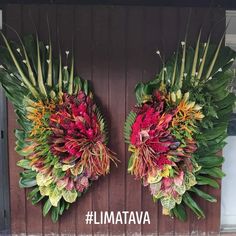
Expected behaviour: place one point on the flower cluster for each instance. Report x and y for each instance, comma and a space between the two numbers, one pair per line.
162, 147
67, 147
62, 135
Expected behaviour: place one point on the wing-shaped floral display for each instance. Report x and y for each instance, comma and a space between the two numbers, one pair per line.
63, 134
179, 124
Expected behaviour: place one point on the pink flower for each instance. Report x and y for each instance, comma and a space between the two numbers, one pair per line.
70, 185
82, 184
178, 180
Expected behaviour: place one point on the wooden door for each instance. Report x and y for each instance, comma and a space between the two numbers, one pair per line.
115, 48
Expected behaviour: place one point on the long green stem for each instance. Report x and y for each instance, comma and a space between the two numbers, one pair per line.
40, 74
214, 59
193, 74
71, 80
49, 78
60, 75
182, 65
203, 59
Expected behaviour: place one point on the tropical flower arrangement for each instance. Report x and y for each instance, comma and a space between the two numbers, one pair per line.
63, 134
179, 125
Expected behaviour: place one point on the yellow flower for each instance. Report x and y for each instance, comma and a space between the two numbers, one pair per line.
36, 113
165, 211
166, 171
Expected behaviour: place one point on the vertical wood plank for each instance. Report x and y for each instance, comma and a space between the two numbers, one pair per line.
133, 76
151, 63
30, 23
218, 22
117, 16
169, 24
17, 195
48, 14
183, 16
115, 48
199, 19
83, 67
100, 84
65, 24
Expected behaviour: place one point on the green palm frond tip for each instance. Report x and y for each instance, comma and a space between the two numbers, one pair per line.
19, 68
38, 73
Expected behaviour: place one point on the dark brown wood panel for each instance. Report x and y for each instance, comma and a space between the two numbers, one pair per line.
115, 48
117, 66
30, 22
66, 32
135, 27
48, 18
83, 58
100, 78
151, 42
17, 195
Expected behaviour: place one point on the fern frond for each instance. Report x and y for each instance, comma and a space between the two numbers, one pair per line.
128, 125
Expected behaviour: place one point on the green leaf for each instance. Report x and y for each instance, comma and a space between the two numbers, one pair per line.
46, 208
85, 87
39, 70
196, 51
20, 70
201, 180
55, 213
193, 205
78, 85
27, 183
226, 102
49, 76
168, 203
33, 192
55, 196
36, 198
24, 163
65, 78
213, 60
214, 133
210, 161
204, 195
128, 125
215, 172
60, 76
69, 196
28, 174
62, 207
180, 212
131, 162
204, 57
71, 80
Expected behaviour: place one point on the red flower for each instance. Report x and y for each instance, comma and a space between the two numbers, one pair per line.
74, 123
163, 160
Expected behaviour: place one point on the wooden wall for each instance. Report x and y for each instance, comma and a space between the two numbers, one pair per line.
114, 48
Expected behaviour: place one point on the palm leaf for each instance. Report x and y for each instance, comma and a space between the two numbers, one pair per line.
128, 126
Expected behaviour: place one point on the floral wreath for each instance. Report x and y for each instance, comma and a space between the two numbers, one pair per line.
63, 134
179, 125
